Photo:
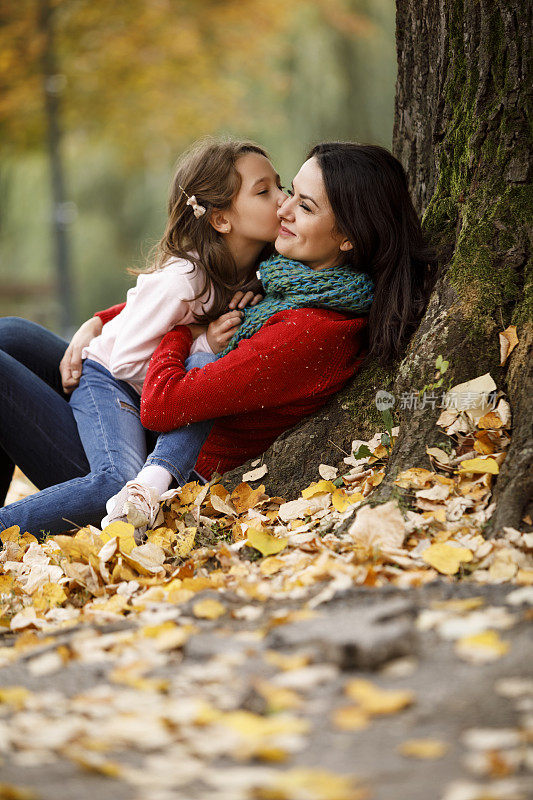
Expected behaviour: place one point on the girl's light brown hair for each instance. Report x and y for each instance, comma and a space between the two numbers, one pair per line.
208, 170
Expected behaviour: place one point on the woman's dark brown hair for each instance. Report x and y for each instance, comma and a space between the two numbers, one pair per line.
368, 193
209, 172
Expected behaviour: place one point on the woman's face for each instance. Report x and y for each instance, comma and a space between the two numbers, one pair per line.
308, 231
253, 213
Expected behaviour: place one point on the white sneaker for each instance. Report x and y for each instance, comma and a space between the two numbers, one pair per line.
136, 504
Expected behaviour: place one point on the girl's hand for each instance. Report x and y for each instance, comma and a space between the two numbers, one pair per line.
243, 299
70, 364
221, 330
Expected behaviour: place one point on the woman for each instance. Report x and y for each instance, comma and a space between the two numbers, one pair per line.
350, 207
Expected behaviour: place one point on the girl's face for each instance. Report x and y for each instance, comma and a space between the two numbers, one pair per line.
308, 231
253, 214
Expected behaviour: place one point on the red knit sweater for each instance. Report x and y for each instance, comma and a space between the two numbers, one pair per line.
283, 373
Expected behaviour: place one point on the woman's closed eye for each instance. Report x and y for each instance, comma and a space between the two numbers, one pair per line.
290, 193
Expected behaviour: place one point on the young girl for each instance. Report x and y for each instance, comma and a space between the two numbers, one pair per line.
221, 219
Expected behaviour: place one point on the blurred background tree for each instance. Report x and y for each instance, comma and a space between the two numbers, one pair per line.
114, 90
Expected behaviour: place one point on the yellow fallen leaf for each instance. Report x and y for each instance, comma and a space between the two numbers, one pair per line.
278, 698
168, 635
319, 488
479, 465
256, 727
423, 748
124, 533
81, 546
264, 542
208, 608
10, 792
374, 700
286, 662
445, 558
189, 492
492, 420
185, 542
350, 718
6, 583
508, 342
93, 762
14, 696
459, 605
524, 577
271, 565
342, 501
244, 497
414, 478
50, 594
164, 537
11, 534
311, 784
481, 647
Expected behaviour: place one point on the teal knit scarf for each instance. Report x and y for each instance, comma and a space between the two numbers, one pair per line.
290, 284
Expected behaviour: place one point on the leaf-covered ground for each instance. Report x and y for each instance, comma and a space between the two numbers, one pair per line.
280, 648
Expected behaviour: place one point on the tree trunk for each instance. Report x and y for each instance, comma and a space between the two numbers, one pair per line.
461, 133
51, 88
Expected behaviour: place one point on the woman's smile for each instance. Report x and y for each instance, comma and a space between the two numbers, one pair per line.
283, 231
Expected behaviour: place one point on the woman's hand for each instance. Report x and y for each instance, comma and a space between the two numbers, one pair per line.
221, 330
70, 364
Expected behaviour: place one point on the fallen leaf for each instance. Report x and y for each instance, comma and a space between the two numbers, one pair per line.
479, 465
244, 497
423, 748
327, 473
341, 501
482, 647
379, 526
10, 792
265, 542
350, 718
208, 608
15, 696
318, 488
508, 342
374, 700
255, 474
309, 784
474, 394
446, 558
124, 532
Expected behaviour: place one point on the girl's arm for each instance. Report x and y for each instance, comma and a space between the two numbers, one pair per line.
158, 303
282, 363
70, 364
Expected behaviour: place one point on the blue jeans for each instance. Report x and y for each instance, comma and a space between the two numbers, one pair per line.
177, 451
38, 431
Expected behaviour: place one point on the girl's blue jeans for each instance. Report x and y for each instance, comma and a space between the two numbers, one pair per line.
78, 451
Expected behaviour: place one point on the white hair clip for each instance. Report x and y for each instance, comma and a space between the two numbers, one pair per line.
198, 210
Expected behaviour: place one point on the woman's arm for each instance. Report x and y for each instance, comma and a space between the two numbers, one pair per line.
110, 313
284, 363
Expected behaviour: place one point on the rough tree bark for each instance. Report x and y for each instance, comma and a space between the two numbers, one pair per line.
461, 131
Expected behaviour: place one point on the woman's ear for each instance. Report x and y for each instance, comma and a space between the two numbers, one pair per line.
346, 245
220, 221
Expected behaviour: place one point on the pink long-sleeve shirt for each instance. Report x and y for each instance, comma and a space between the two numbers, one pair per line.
159, 301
